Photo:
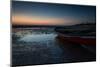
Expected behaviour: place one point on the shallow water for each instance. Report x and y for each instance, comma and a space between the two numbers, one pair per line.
40, 46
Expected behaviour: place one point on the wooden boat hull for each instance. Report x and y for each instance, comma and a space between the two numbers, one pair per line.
88, 43
79, 39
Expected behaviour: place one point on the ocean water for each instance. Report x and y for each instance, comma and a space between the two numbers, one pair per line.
39, 45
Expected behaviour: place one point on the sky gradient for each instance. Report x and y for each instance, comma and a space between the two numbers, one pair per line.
33, 13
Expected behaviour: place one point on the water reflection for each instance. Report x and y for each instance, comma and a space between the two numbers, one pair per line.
40, 46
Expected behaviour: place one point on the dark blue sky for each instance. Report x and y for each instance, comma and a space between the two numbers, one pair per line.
73, 13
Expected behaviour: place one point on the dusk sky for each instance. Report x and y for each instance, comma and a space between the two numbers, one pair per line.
32, 13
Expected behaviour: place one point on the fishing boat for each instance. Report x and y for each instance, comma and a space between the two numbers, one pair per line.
87, 40
85, 35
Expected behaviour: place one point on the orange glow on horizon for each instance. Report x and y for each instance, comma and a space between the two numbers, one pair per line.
38, 20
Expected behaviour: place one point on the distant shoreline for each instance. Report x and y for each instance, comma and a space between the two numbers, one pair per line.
26, 26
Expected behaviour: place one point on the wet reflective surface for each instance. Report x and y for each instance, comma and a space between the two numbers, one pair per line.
41, 46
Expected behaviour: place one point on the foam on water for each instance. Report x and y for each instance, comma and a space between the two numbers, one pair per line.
38, 37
